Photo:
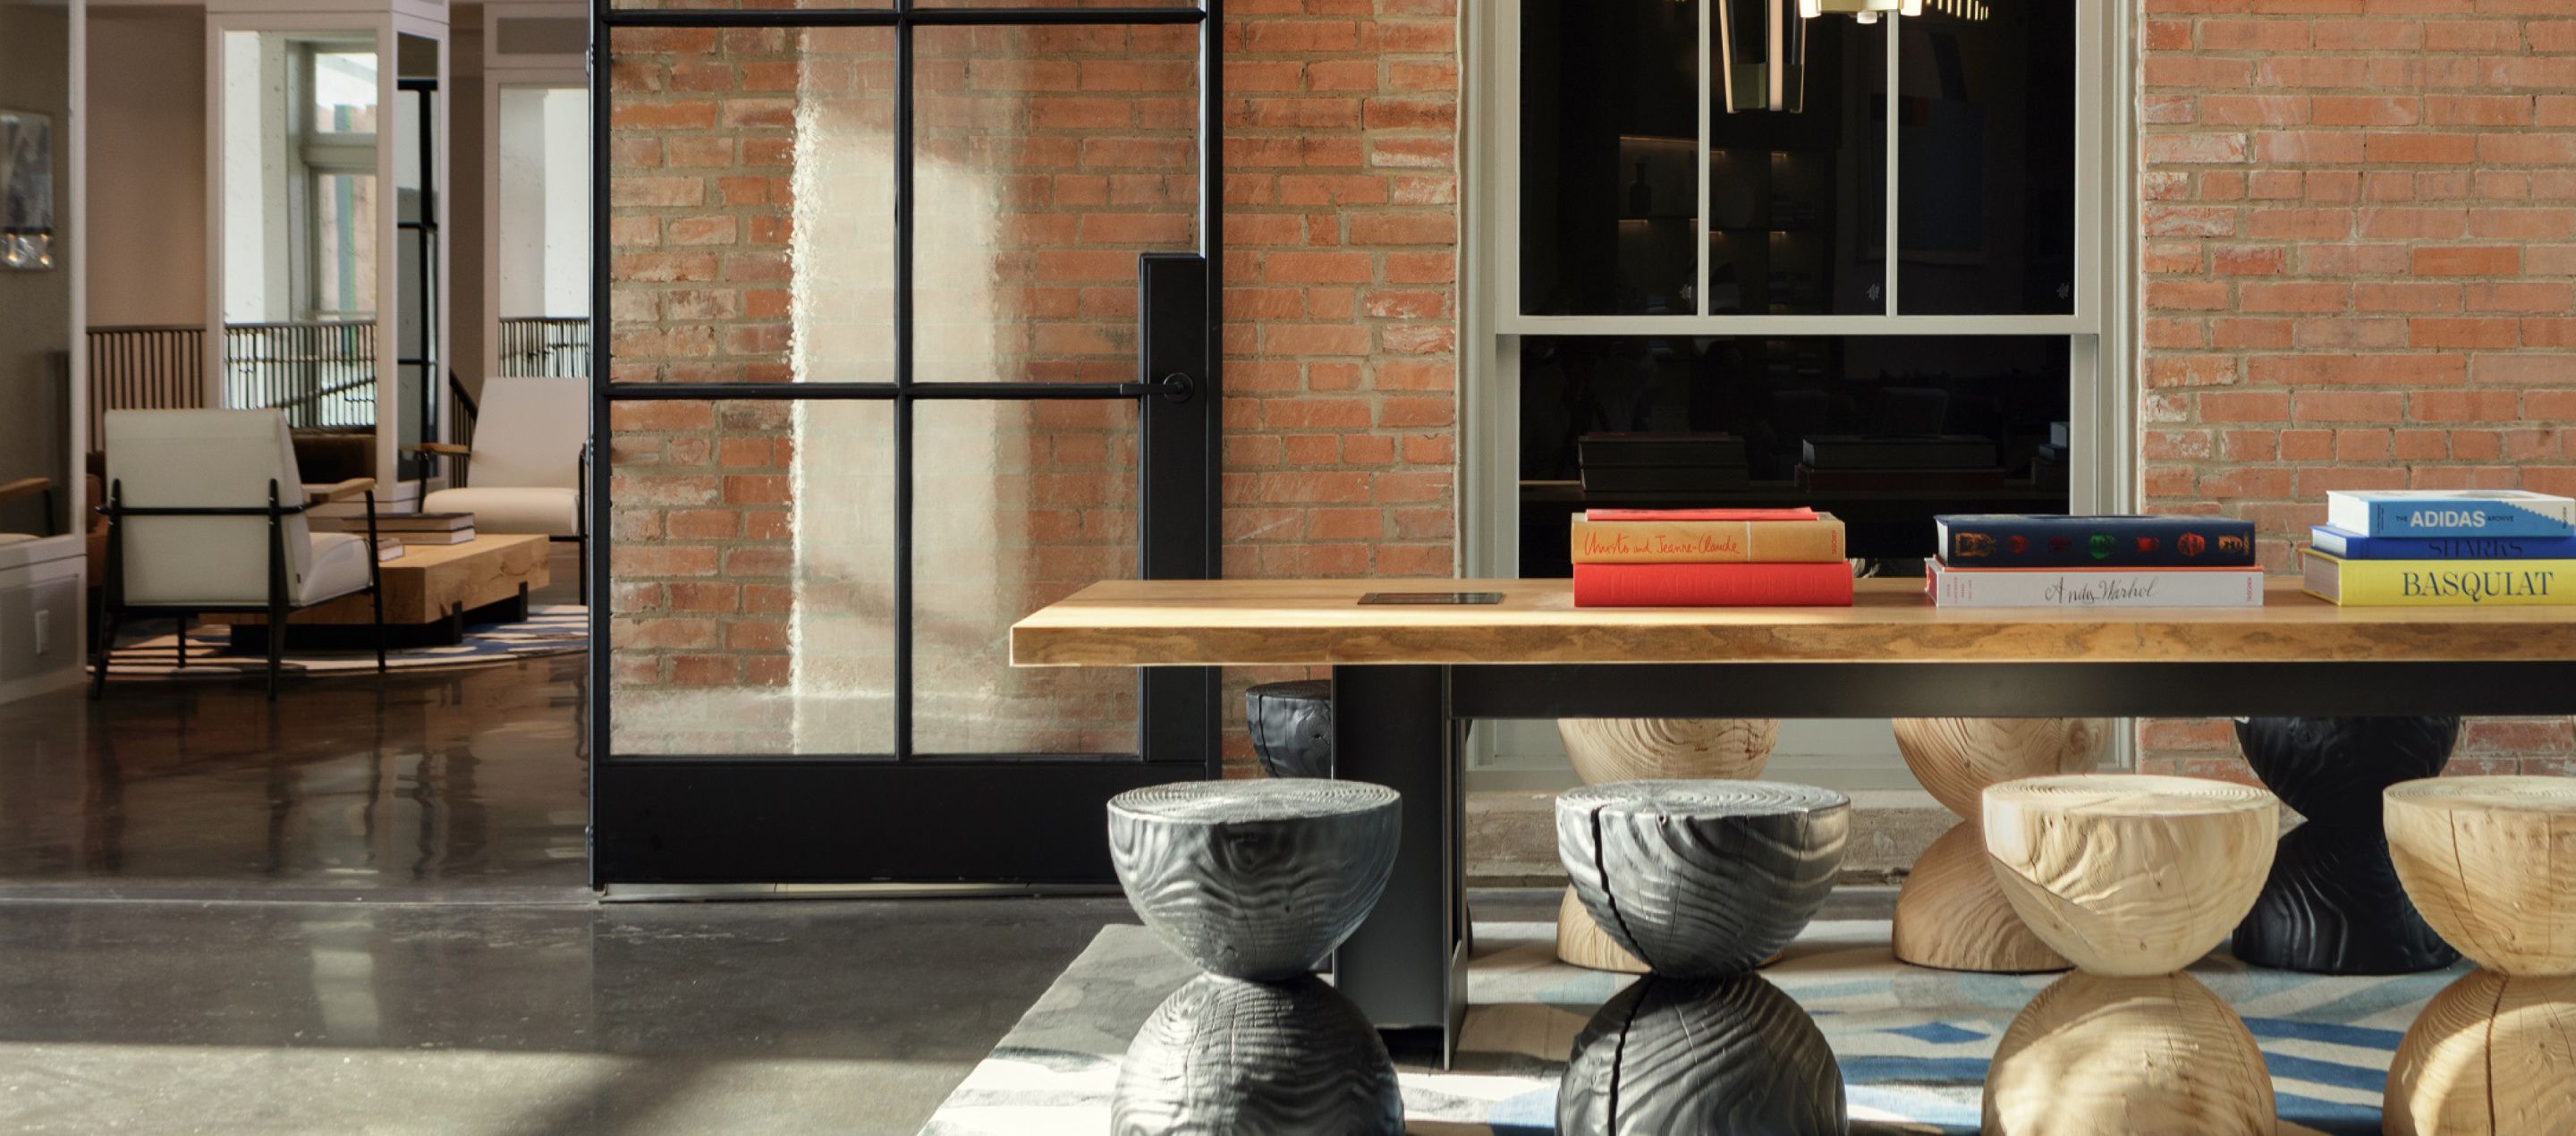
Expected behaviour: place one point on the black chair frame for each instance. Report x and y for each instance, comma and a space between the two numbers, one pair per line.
278, 608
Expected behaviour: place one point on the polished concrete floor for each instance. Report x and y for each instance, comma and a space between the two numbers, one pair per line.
364, 909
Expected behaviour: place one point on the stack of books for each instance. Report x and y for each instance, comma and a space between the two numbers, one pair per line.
1662, 463
409, 528
2443, 548
1710, 558
2016, 560
1898, 461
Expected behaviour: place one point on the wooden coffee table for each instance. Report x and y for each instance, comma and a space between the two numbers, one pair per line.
431, 593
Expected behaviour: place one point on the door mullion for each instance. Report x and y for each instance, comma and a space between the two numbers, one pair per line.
903, 381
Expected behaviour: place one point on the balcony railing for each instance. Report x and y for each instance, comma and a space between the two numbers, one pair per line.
538, 346
144, 368
321, 373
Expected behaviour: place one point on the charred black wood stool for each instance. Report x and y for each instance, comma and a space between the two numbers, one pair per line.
1255, 882
2332, 904
1292, 727
1702, 881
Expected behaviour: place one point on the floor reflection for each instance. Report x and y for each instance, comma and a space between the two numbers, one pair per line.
464, 778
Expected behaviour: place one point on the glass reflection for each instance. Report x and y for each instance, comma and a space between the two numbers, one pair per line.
1774, 394
1609, 190
1795, 194
1986, 150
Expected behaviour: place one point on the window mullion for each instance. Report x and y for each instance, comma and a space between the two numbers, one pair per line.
1700, 228
1887, 197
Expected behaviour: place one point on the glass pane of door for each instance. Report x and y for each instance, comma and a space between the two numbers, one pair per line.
1044, 160
751, 191
751, 583
1020, 504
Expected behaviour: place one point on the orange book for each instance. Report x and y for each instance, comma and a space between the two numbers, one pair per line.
1789, 539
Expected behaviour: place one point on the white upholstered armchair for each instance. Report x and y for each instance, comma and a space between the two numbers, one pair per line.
523, 468
205, 513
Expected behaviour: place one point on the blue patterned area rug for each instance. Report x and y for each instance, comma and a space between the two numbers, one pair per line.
1913, 1043
550, 629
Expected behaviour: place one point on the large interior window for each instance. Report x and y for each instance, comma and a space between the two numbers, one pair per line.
1779, 228
1718, 217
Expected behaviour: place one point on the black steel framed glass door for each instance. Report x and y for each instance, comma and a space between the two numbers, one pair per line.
905, 325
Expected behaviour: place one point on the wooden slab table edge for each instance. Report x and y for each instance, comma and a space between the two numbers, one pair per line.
1406, 678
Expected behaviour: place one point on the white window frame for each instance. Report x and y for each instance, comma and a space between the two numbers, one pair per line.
2102, 333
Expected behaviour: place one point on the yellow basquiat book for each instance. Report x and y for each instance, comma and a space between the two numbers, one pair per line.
2438, 583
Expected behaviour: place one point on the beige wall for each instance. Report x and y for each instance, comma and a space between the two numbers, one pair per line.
36, 307
147, 166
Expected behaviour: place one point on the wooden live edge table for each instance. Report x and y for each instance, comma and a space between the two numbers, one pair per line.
1405, 677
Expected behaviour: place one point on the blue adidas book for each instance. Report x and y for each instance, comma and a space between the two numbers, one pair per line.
2353, 546
2450, 512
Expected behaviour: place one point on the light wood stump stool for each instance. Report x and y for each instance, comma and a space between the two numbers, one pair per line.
1951, 914
1605, 750
2491, 864
2130, 878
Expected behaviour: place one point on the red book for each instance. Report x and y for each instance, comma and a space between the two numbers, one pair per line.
1713, 585
1798, 514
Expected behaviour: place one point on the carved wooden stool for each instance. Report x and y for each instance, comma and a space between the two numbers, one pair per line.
1291, 724
2491, 863
1703, 880
2333, 904
1255, 882
2130, 878
1604, 750
1951, 914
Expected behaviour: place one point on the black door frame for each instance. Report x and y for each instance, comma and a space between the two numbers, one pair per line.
906, 816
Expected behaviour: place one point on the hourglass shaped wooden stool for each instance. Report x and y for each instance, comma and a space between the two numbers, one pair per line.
1605, 750
2131, 878
2491, 864
1703, 880
1951, 914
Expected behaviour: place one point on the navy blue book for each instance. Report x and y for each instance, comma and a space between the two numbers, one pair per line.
2353, 546
2015, 540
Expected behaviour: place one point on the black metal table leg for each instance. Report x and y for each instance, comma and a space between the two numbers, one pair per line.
1406, 966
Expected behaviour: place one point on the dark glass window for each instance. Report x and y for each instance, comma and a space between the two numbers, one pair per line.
1775, 393
1609, 187
1797, 171
1986, 162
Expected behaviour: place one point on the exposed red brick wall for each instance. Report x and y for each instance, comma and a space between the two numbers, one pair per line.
1049, 158
1341, 202
2360, 272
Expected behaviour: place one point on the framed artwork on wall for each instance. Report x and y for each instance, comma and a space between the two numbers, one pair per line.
26, 190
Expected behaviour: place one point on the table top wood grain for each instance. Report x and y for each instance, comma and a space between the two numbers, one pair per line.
1319, 622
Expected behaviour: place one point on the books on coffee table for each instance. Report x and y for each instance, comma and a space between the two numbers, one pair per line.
409, 528
2038, 560
1709, 558
2443, 548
